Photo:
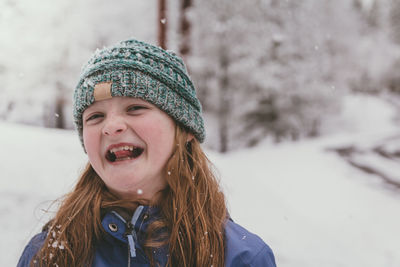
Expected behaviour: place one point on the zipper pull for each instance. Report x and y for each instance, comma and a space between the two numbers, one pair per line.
131, 242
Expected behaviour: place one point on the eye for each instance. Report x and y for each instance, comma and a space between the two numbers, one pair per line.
94, 116
136, 108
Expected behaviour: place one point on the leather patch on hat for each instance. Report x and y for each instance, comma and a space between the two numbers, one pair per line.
102, 91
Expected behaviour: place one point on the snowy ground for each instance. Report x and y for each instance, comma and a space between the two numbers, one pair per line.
302, 198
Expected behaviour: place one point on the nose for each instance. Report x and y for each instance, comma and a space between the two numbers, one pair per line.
114, 125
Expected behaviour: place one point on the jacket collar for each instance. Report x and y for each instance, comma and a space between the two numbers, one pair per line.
116, 225
133, 231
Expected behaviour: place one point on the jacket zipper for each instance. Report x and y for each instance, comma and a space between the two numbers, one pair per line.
130, 232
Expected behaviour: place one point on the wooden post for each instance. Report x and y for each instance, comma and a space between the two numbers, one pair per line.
224, 100
162, 24
184, 28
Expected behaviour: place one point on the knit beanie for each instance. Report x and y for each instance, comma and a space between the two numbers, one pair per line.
136, 69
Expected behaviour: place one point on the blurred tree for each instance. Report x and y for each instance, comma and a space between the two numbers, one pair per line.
218, 24
395, 20
162, 23
256, 64
184, 27
269, 67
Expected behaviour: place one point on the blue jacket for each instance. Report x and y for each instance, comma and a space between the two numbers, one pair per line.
123, 244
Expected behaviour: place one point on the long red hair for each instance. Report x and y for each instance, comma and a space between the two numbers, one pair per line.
193, 210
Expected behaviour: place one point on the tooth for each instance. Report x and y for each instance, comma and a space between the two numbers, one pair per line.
115, 149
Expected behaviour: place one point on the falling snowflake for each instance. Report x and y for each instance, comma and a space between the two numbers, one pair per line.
55, 244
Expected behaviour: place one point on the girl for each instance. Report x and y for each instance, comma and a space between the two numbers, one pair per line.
148, 196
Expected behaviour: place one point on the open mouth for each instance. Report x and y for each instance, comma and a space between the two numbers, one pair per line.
121, 153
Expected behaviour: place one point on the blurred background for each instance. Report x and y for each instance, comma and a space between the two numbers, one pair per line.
300, 98
280, 67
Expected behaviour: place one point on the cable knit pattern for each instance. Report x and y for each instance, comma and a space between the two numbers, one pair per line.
141, 70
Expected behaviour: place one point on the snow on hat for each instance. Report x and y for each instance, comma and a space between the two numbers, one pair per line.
136, 69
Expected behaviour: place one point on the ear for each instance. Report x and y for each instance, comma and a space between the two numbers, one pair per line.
190, 137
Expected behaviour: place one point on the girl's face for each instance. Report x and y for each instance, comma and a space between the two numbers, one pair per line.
128, 142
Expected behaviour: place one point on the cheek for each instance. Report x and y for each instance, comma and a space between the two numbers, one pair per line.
159, 136
86, 139
89, 141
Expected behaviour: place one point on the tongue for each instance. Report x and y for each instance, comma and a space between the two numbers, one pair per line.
123, 154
